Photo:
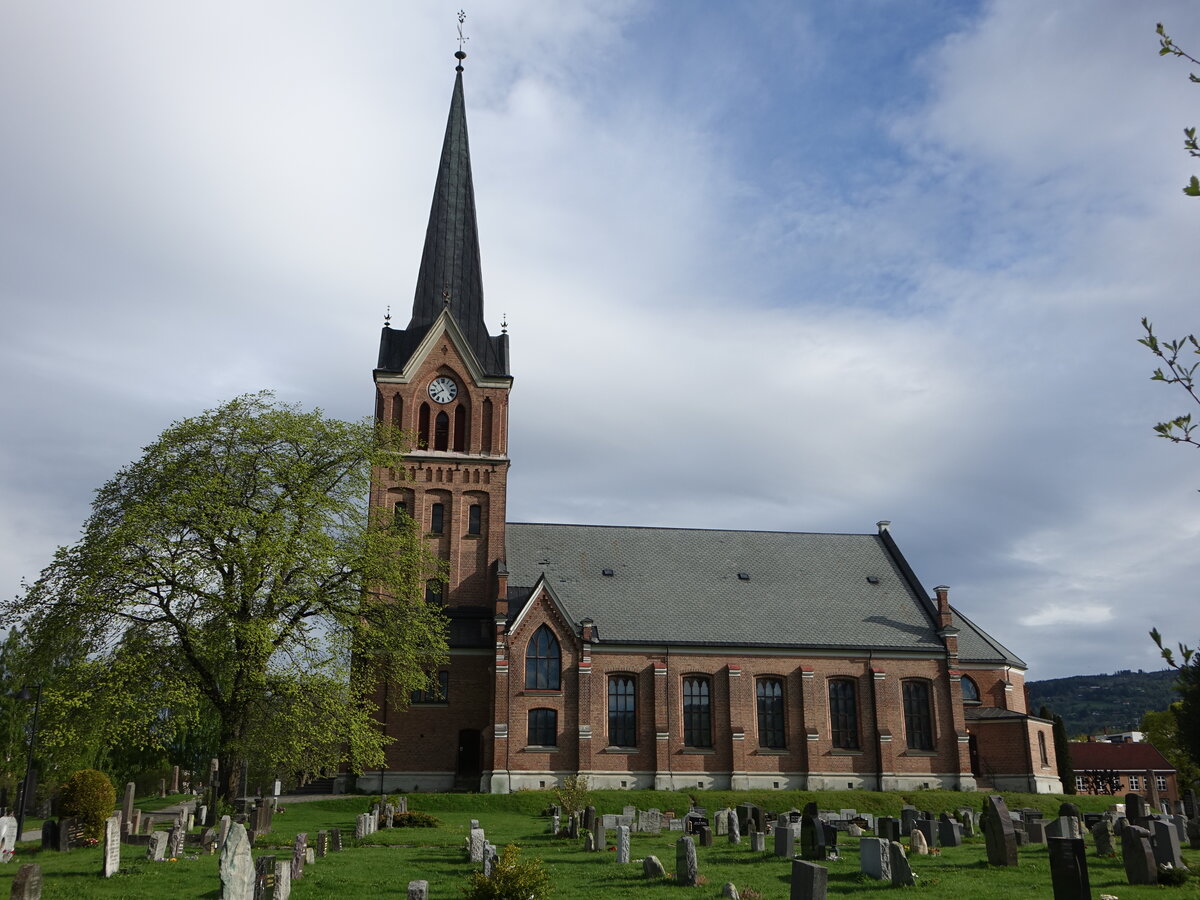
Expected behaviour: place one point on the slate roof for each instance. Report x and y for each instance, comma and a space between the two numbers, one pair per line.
680, 586
1137, 757
977, 646
977, 713
450, 259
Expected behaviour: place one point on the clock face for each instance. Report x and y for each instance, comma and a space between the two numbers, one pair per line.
443, 389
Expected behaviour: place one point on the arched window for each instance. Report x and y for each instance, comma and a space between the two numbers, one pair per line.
771, 731
461, 431
970, 691
397, 410
423, 426
1042, 749
437, 518
918, 719
378, 405
622, 711
474, 518
485, 438
697, 712
843, 714
441, 432
543, 728
543, 662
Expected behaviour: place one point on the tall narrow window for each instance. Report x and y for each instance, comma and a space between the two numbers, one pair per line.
461, 432
1042, 748
622, 711
441, 432
918, 723
401, 512
485, 426
697, 712
771, 731
843, 714
474, 518
543, 728
543, 662
440, 695
970, 691
378, 405
433, 591
423, 426
437, 518
397, 410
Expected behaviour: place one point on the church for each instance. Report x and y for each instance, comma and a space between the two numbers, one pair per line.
664, 658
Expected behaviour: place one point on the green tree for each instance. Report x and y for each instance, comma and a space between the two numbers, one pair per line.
1062, 749
1167, 47
235, 578
1162, 730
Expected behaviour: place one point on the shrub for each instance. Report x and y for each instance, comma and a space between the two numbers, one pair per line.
90, 797
415, 820
574, 795
1172, 877
512, 878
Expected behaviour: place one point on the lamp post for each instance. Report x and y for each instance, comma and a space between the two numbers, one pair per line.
24, 694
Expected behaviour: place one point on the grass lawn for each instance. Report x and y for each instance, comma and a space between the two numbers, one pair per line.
383, 864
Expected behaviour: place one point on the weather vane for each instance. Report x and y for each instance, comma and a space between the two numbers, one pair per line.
445, 296
387, 317
504, 324
460, 55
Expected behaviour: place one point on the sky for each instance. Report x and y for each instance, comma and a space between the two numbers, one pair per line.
794, 266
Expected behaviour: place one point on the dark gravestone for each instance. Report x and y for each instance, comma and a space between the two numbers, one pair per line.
1068, 869
27, 885
887, 828
1036, 831
1135, 808
902, 873
706, 836
908, 819
812, 838
1138, 856
809, 881
1189, 804
589, 818
1193, 834
999, 833
298, 855
70, 834
687, 869
928, 828
49, 835
322, 843
949, 831
264, 878
1102, 837
1166, 843
335, 840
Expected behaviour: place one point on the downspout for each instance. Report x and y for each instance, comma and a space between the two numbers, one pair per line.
670, 703
875, 717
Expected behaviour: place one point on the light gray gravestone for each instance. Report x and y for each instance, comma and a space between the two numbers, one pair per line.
629, 812
360, 825
902, 873
175, 838
310, 856
27, 885
917, 844
418, 890
1102, 836
475, 845
223, 834
650, 821
734, 835
623, 844
8, 833
490, 859
299, 857
999, 832
1068, 868
283, 879
1138, 856
600, 841
687, 867
783, 838
875, 858
112, 846
1166, 843
156, 849
854, 831
554, 824
653, 868
1062, 827
127, 808
721, 822
809, 881
389, 812
237, 866
730, 891
758, 842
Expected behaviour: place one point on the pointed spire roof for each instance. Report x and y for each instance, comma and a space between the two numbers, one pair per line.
450, 274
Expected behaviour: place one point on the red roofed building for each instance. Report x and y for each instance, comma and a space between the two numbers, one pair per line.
1103, 767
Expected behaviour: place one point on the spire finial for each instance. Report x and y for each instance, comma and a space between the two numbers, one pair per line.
504, 323
446, 296
460, 55
387, 317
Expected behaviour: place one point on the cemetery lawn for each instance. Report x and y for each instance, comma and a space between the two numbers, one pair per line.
383, 864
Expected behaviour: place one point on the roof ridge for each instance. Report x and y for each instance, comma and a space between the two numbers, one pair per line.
687, 528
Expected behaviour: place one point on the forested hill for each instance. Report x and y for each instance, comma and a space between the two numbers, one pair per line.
1091, 704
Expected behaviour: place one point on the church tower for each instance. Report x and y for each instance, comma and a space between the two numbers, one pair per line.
445, 381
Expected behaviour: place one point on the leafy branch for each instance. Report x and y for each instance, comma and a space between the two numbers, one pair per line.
1181, 429
1167, 47
1186, 653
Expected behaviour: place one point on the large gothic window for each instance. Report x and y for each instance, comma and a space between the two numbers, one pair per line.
843, 714
771, 731
543, 662
918, 722
441, 432
622, 711
697, 712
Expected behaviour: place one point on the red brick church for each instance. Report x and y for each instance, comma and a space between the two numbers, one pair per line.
665, 658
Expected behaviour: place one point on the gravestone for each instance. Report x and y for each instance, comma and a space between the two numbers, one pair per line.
491, 859
814, 835
237, 866
706, 836
299, 856
49, 835
629, 812
71, 834
283, 879
653, 868
112, 846
175, 836
1138, 856
998, 832
623, 844
335, 840
1063, 827
475, 845
809, 881
589, 818
1102, 836
758, 842
1037, 832
127, 808
1135, 808
156, 849
310, 856
223, 833
853, 830
730, 892
1166, 843
917, 845
734, 836
970, 822
8, 834
1068, 868
949, 831
322, 843
875, 858
783, 839
887, 828
27, 885
1069, 809
1180, 823
1189, 804
175, 779
908, 819
1193, 834
360, 825
928, 829
418, 890
687, 869
264, 878
600, 841
902, 873
573, 826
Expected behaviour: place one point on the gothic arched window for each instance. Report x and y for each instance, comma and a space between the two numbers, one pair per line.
543, 662
441, 432
461, 432
423, 426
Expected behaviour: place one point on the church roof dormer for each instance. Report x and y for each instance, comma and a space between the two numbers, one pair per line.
450, 276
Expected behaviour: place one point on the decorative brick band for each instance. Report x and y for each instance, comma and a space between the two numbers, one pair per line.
502, 729
662, 735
